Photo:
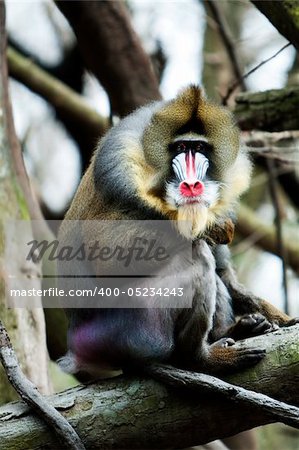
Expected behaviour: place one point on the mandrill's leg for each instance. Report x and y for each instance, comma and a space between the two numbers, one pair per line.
196, 325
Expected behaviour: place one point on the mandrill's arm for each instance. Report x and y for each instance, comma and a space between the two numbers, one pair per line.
244, 302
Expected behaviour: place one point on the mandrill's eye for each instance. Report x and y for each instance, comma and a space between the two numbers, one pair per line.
181, 147
203, 147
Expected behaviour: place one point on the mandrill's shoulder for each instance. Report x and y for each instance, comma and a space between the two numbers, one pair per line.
87, 203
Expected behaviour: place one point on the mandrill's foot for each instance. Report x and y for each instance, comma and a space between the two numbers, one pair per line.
290, 322
275, 316
251, 325
224, 357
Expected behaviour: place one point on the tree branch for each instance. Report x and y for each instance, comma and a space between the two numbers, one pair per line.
273, 187
263, 110
282, 149
240, 81
283, 15
198, 382
148, 415
66, 102
113, 52
32, 397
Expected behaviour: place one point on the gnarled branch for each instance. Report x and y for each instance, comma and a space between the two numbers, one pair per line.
136, 413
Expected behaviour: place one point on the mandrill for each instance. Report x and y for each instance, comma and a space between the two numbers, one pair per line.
179, 161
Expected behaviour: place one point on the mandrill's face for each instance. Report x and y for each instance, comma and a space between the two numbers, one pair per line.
190, 189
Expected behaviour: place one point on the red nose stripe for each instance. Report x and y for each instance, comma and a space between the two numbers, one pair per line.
190, 165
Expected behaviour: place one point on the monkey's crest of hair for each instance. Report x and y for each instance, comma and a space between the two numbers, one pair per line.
190, 109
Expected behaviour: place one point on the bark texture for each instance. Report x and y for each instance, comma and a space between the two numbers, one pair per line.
140, 413
26, 327
274, 110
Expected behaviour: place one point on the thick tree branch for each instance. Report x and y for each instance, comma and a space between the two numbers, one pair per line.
32, 397
281, 146
139, 413
66, 102
83, 123
69, 70
243, 77
113, 52
284, 15
274, 110
203, 383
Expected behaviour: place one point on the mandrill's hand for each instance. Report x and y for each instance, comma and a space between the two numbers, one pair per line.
220, 233
251, 325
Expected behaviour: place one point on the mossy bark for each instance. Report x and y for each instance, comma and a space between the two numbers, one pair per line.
284, 15
26, 327
140, 413
274, 110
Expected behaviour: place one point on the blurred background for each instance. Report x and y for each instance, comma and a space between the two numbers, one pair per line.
183, 40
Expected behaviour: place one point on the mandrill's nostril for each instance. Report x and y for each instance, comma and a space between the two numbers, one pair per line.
191, 189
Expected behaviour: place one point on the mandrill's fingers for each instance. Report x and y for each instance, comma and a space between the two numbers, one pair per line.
251, 325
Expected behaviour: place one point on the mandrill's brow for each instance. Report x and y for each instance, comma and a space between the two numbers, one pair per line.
186, 145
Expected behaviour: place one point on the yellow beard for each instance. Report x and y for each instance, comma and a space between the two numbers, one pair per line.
192, 220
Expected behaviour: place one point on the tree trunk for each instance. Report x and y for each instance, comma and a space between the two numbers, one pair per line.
26, 327
113, 52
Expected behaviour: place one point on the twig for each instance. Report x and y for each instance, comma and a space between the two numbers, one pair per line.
227, 40
282, 148
279, 237
279, 411
249, 223
32, 397
234, 86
